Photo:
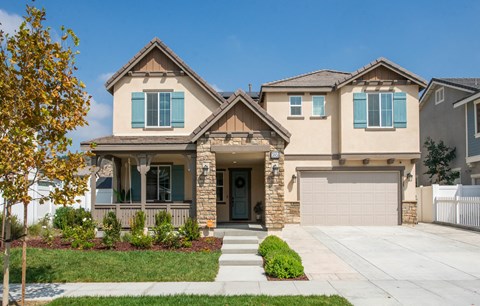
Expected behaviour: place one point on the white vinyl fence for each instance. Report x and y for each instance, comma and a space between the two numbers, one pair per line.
458, 210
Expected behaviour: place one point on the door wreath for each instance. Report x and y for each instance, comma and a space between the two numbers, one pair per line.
239, 182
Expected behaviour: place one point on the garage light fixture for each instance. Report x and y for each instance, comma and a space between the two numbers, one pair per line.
275, 169
294, 178
205, 169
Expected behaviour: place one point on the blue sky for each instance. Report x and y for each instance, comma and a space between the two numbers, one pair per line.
234, 43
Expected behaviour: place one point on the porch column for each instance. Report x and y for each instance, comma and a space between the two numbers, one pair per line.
143, 166
93, 182
206, 205
274, 187
117, 176
192, 168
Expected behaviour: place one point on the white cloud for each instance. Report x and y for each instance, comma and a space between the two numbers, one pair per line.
99, 110
9, 23
105, 76
214, 86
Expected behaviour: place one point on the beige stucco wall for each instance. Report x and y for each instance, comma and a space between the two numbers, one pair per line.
309, 136
257, 192
379, 140
198, 104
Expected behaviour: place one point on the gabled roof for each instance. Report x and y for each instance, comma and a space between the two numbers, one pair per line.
240, 97
322, 78
469, 85
470, 98
388, 64
157, 43
227, 94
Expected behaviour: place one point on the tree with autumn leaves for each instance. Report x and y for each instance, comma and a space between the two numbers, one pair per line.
41, 100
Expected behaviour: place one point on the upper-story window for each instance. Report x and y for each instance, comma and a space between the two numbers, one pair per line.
380, 109
158, 110
295, 105
318, 107
439, 95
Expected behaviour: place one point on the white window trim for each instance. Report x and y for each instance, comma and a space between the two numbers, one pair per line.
477, 133
158, 126
290, 105
223, 186
324, 102
441, 89
158, 181
380, 110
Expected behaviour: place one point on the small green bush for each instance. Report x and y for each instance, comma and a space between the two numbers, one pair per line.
35, 230
137, 224
289, 252
190, 230
112, 228
186, 244
141, 241
270, 244
81, 236
162, 231
16, 229
70, 217
163, 217
173, 240
283, 265
48, 234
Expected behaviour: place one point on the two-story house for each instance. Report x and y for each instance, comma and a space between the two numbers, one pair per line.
441, 121
326, 148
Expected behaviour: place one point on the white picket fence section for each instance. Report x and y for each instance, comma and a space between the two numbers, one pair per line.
458, 210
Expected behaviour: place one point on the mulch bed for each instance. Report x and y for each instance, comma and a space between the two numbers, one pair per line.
208, 244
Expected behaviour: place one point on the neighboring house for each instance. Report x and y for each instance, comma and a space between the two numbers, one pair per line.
327, 147
440, 121
471, 108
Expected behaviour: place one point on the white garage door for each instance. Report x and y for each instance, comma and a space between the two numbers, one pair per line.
349, 198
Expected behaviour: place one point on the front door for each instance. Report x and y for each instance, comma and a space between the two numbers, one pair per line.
240, 194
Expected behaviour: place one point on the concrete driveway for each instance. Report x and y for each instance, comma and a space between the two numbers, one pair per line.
404, 265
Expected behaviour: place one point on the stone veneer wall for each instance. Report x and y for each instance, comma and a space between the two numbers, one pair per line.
409, 212
206, 193
292, 212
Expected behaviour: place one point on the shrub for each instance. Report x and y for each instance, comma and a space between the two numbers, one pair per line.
162, 218
141, 241
186, 244
162, 231
112, 228
137, 224
270, 244
173, 239
67, 216
190, 230
81, 236
35, 230
16, 230
283, 265
48, 234
288, 251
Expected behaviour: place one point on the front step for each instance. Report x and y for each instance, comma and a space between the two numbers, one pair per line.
223, 232
240, 248
240, 260
240, 240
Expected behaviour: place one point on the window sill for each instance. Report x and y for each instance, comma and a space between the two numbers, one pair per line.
318, 117
380, 129
221, 203
295, 118
158, 128
477, 135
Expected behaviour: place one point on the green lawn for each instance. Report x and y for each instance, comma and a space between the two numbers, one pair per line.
204, 300
51, 266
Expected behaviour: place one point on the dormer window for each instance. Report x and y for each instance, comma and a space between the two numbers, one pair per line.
158, 110
439, 95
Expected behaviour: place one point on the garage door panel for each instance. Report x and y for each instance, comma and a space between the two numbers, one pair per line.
349, 198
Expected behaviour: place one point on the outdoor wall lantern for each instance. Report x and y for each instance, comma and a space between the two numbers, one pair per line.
294, 178
409, 177
205, 169
275, 169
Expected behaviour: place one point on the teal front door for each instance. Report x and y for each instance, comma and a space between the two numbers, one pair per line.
240, 194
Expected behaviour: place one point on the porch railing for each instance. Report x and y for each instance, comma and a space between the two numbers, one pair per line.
125, 212
458, 210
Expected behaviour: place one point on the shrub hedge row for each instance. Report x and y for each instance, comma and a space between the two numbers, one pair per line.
280, 260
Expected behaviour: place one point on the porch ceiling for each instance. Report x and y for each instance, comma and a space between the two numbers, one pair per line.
239, 159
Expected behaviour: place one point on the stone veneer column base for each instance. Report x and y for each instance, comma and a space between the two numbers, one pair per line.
292, 212
409, 212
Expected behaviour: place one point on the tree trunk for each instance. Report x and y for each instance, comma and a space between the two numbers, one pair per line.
6, 257
3, 222
24, 252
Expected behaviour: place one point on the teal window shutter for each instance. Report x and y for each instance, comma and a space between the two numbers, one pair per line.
359, 110
136, 184
178, 109
400, 110
178, 183
138, 109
